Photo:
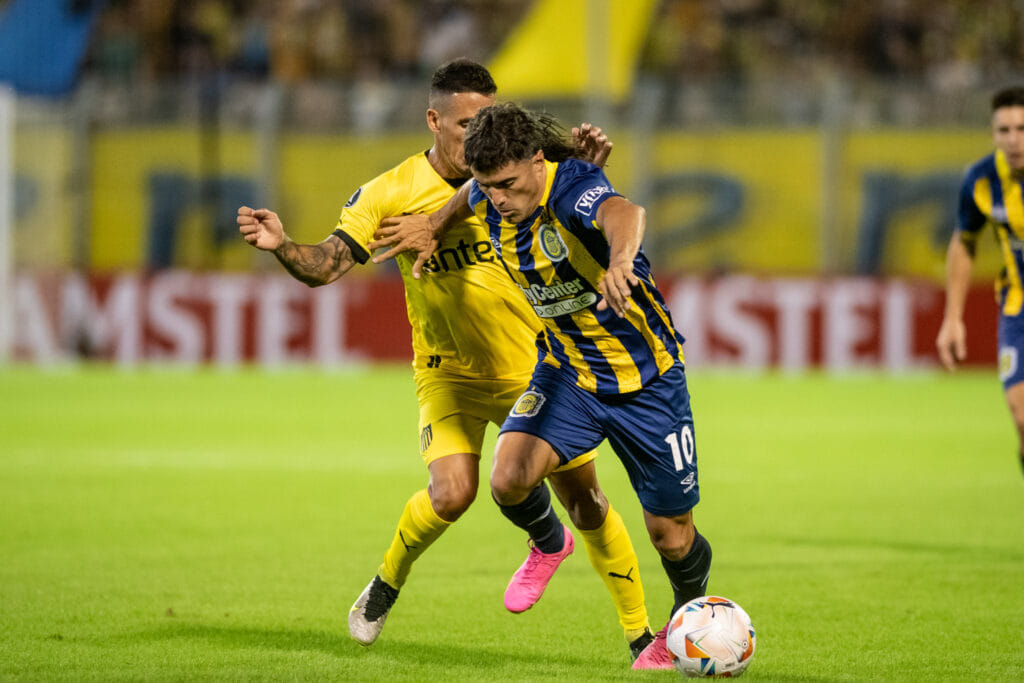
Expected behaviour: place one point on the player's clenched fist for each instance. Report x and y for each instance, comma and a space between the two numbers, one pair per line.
260, 227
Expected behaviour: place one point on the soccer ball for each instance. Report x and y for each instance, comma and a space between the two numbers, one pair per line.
711, 636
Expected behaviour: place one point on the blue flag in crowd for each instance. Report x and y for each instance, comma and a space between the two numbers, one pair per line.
43, 42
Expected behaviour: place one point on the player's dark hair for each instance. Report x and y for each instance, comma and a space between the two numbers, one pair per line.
461, 75
505, 133
1008, 97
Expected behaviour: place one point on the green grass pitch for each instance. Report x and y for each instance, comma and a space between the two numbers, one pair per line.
218, 525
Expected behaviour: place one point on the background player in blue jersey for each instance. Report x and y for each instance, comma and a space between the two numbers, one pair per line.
991, 194
611, 362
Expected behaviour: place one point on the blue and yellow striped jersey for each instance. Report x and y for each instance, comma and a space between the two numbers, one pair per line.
989, 194
557, 258
468, 320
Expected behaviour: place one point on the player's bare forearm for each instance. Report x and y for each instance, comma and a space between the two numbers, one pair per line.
959, 264
623, 223
315, 264
951, 341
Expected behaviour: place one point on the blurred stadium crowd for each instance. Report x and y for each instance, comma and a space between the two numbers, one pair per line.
775, 144
714, 60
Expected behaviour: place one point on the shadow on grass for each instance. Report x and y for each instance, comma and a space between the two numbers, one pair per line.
390, 651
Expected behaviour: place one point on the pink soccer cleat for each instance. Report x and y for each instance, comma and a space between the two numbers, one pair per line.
530, 580
655, 655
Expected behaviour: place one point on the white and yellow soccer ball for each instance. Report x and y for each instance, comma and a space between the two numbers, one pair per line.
711, 636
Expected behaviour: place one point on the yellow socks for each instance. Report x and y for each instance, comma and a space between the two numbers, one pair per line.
609, 548
418, 527
613, 557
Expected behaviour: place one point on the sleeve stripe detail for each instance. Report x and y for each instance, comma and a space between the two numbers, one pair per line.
358, 252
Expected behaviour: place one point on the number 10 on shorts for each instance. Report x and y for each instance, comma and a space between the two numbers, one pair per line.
682, 446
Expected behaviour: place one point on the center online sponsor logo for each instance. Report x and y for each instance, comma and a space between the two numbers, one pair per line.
580, 303
565, 297
538, 294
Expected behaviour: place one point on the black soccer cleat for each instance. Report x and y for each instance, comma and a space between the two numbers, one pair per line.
640, 644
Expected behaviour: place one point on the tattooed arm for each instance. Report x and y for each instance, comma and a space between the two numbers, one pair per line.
312, 264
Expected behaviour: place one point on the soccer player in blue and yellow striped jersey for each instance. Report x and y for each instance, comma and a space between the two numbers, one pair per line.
611, 362
559, 270
473, 341
991, 194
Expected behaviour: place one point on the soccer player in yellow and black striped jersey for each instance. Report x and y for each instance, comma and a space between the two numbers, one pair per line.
611, 362
473, 340
991, 194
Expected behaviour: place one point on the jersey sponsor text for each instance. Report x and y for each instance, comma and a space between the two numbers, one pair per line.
585, 204
460, 256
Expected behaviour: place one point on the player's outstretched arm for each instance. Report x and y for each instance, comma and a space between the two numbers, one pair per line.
419, 233
312, 264
951, 341
591, 144
623, 223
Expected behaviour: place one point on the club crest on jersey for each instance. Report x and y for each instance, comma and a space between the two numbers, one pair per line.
551, 243
354, 198
528, 404
585, 204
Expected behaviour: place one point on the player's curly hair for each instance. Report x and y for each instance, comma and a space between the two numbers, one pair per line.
504, 133
1008, 97
461, 75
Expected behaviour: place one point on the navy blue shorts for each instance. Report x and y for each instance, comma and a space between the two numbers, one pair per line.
1011, 350
651, 431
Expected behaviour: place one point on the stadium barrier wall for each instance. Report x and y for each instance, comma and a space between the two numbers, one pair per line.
187, 318
881, 203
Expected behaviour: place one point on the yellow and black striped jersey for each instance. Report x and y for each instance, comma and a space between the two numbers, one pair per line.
557, 258
990, 194
468, 319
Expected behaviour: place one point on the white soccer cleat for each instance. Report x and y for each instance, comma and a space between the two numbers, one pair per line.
370, 611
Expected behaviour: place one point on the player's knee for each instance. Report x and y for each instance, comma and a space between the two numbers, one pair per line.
672, 550
510, 486
671, 537
1015, 400
503, 490
587, 509
451, 499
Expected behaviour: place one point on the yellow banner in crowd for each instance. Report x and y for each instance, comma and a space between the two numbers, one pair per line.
763, 201
593, 50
